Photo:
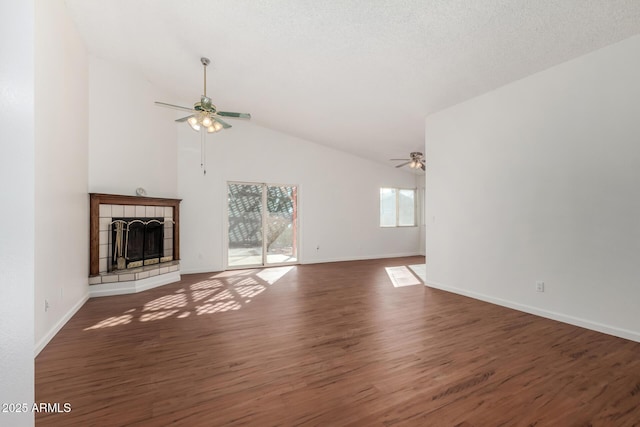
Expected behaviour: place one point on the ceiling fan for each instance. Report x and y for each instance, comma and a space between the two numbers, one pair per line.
415, 161
205, 115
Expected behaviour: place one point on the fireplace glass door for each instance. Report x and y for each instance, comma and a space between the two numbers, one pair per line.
261, 224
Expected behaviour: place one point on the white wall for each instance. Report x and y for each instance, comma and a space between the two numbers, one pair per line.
61, 156
132, 142
338, 195
539, 180
420, 185
16, 215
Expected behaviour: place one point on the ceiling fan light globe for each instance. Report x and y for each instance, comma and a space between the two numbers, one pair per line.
211, 129
206, 121
217, 126
193, 122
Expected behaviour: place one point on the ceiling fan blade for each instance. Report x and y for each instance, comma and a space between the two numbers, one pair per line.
224, 124
175, 107
403, 164
184, 119
422, 166
235, 115
399, 160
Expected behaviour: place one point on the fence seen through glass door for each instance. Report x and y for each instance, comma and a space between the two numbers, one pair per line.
262, 224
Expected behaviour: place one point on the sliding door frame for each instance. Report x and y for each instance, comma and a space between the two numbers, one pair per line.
265, 213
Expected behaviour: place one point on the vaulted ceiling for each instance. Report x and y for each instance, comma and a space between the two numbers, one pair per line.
357, 75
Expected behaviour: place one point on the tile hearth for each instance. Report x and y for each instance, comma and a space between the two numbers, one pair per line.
137, 273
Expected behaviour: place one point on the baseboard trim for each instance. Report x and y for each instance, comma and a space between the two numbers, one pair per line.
560, 317
42, 343
211, 270
133, 286
360, 258
315, 261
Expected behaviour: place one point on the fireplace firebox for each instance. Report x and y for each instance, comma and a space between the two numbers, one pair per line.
136, 242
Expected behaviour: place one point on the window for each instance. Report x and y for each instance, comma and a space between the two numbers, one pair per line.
397, 207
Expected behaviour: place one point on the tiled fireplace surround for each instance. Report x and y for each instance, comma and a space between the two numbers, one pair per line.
105, 207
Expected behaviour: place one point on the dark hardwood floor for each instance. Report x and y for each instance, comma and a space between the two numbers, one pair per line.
329, 345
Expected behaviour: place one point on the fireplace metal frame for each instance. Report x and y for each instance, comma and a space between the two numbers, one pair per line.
97, 199
130, 223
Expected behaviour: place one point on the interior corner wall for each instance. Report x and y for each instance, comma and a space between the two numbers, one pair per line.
538, 181
16, 215
61, 177
422, 226
338, 195
132, 142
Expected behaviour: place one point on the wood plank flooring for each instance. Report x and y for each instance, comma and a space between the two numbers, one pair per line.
329, 345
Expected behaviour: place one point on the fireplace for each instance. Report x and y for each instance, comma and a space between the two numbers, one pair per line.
136, 242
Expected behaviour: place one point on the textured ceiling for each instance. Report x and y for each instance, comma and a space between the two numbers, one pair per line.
357, 75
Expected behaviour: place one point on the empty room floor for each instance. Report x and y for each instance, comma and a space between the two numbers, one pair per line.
329, 344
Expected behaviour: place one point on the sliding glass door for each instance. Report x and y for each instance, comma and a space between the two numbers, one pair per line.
262, 224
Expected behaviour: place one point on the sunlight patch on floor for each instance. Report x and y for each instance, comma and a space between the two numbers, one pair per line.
166, 302
112, 321
218, 307
221, 292
401, 276
420, 270
224, 295
250, 291
233, 273
207, 284
273, 274
202, 294
157, 315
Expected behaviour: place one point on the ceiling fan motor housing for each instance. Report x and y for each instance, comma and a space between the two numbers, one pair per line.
205, 104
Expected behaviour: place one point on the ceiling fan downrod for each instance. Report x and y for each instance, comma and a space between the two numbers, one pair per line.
205, 62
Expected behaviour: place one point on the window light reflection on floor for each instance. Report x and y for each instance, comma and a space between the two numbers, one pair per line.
250, 291
218, 307
224, 295
198, 295
166, 302
157, 315
112, 321
207, 284
219, 293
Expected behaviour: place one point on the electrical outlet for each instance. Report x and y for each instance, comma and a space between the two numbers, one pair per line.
318, 248
46, 305
539, 286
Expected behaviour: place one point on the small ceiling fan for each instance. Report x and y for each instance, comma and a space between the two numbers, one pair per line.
204, 114
415, 161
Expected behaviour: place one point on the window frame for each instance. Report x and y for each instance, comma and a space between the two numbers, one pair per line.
397, 206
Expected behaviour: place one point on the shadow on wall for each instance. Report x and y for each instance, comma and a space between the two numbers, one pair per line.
226, 291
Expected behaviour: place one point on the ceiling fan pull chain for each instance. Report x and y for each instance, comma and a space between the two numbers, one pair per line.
203, 152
